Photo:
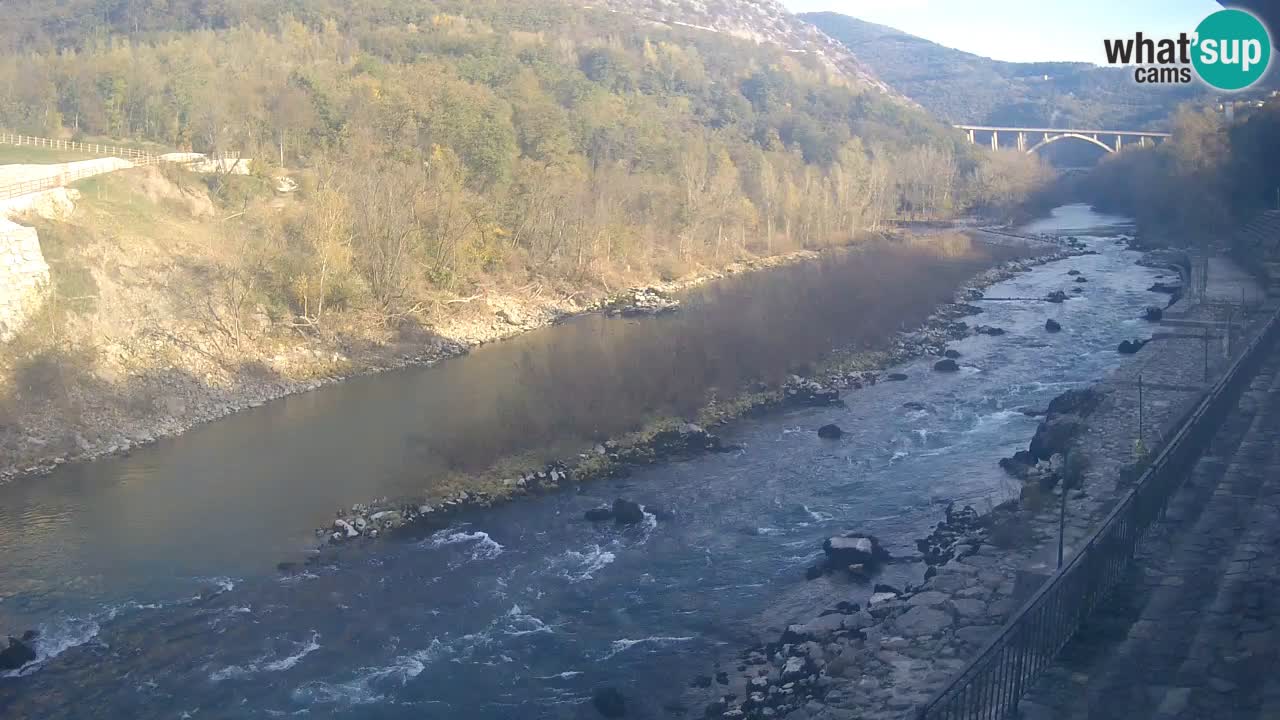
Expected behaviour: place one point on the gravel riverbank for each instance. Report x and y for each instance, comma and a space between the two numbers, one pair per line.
886, 659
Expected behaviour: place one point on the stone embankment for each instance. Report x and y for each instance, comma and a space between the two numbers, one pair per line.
887, 659
1192, 632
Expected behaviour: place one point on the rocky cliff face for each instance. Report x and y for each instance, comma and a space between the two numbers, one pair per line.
760, 21
24, 276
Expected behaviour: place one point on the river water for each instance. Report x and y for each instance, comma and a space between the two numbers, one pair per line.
146, 574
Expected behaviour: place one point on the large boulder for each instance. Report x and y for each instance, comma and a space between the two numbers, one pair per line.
1075, 402
854, 549
18, 653
626, 512
609, 702
830, 432
1052, 325
1054, 435
947, 365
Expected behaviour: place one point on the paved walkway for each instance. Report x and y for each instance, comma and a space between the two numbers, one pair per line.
1195, 634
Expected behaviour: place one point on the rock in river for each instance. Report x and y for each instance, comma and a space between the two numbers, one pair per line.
1153, 314
1054, 435
599, 514
18, 653
895, 377
1129, 347
952, 354
830, 432
1057, 296
626, 512
989, 330
1052, 325
854, 549
947, 365
609, 702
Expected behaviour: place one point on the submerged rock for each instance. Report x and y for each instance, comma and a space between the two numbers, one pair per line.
609, 702
626, 512
1052, 325
895, 377
989, 330
947, 365
830, 432
1073, 272
19, 652
600, 514
1082, 279
1129, 347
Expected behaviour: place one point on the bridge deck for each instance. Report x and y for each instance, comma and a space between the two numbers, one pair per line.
1124, 133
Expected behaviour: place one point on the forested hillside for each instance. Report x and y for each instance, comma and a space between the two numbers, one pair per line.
530, 137
964, 88
1209, 180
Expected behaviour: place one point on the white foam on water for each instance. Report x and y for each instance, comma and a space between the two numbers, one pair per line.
483, 547
363, 689
818, 516
566, 675
517, 622
263, 664
619, 646
578, 567
56, 638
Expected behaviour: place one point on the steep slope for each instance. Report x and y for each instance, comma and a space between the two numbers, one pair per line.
966, 88
761, 21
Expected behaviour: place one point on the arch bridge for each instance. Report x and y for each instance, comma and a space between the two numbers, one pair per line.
1030, 139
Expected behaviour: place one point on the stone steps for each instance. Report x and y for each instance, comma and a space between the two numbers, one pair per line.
1169, 646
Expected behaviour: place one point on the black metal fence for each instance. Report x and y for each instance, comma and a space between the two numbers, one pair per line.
991, 685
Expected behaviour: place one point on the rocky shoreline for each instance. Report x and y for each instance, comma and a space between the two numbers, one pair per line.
189, 403
885, 660
674, 439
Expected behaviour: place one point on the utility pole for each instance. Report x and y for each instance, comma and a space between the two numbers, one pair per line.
1206, 355
1062, 514
1142, 441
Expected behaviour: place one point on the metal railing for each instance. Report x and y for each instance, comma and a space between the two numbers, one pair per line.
992, 684
91, 148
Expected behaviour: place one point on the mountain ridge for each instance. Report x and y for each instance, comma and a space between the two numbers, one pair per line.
963, 87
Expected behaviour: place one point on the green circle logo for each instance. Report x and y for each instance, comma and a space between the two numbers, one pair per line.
1232, 50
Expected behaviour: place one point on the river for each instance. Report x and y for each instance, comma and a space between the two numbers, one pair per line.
149, 580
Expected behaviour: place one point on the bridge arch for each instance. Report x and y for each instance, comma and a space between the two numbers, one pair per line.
1063, 136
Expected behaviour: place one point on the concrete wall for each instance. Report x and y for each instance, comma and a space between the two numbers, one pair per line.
24, 277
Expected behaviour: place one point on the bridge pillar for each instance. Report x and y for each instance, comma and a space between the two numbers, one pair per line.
971, 140
1022, 141
1119, 142
995, 140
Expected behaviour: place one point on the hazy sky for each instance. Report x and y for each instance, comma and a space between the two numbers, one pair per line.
1022, 30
